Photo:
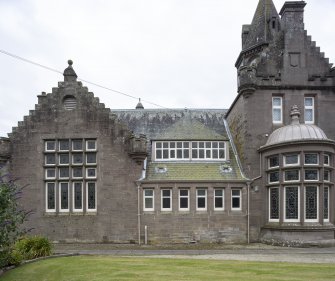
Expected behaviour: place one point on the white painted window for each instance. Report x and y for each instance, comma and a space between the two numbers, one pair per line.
326, 159
187, 150
273, 161
236, 204
64, 197
309, 110
218, 199
77, 145
148, 200
50, 145
201, 199
91, 145
184, 204
291, 175
166, 200
91, 158
63, 159
277, 110
311, 205
326, 175
273, 177
63, 145
77, 196
326, 204
91, 173
291, 160
91, 197
77, 172
291, 204
50, 198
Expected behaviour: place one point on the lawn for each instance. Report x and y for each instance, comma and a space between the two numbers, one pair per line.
104, 268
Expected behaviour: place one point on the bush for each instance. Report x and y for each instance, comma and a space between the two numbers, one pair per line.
33, 247
10, 257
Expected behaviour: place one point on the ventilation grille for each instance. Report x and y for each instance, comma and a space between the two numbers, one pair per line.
70, 103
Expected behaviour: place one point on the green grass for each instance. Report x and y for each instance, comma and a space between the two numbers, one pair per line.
104, 268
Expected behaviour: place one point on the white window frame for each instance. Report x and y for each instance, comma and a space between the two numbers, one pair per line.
46, 173
45, 159
269, 203
326, 156
63, 164
145, 196
170, 198
317, 202
184, 196
291, 180
63, 178
46, 146
236, 196
73, 197
291, 220
219, 196
199, 197
77, 164
317, 159
280, 107
309, 107
294, 164
90, 177
95, 145
60, 197
46, 197
96, 199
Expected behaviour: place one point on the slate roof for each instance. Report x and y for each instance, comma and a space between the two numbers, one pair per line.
259, 31
194, 171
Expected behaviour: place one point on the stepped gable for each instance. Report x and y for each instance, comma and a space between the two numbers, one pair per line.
72, 104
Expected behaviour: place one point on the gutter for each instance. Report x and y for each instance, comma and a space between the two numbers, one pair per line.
138, 183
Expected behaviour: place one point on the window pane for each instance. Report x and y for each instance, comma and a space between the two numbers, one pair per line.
276, 113
51, 202
91, 145
172, 144
291, 203
165, 154
201, 202
149, 203
50, 173
77, 158
77, 145
184, 203
78, 195
235, 203
77, 172
91, 201
166, 192
63, 172
309, 115
158, 154
311, 175
292, 175
158, 145
274, 177
235, 192
64, 145
308, 101
274, 203
274, 161
183, 192
311, 201
291, 159
326, 203
218, 202
50, 159
50, 145
91, 172
311, 158
91, 158
276, 101
166, 203
64, 194
64, 159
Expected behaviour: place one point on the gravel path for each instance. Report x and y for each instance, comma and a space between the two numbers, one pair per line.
254, 252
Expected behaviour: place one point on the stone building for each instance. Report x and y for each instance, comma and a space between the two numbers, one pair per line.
263, 170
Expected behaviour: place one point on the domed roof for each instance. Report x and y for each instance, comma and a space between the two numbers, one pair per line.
296, 131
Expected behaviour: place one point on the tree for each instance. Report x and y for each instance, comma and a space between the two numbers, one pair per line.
11, 216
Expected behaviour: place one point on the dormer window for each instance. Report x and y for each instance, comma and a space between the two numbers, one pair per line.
190, 150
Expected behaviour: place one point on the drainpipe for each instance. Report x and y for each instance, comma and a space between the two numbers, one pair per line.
138, 182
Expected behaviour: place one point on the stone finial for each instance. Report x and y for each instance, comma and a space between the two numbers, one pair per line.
295, 114
139, 105
69, 74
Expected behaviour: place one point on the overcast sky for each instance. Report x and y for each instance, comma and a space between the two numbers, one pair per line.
175, 53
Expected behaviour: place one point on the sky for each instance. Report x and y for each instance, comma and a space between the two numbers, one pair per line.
174, 53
